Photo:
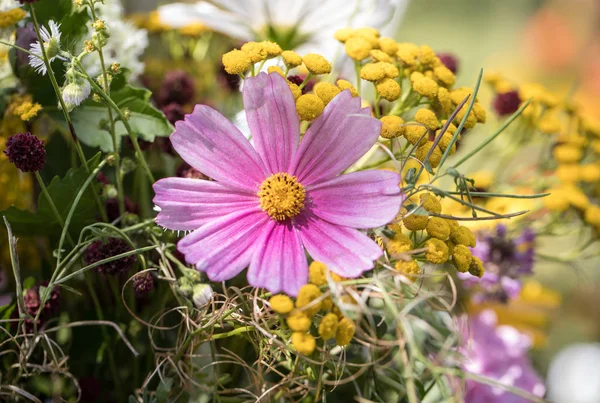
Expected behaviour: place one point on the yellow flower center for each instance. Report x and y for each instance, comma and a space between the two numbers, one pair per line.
281, 196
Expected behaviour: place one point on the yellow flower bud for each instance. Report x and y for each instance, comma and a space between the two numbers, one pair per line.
409, 269
400, 243
557, 200
296, 91
236, 62
443, 98
434, 159
431, 203
388, 89
463, 236
444, 76
415, 222
326, 91
316, 64
437, 251
388, 45
328, 326
275, 69
426, 87
428, 118
307, 294
298, 322
309, 106
415, 134
357, 47
592, 215
479, 112
567, 154
317, 273
291, 59
372, 72
347, 85
426, 55
345, 332
476, 268
256, 51
462, 258
303, 343
590, 173
380, 56
281, 304
391, 127
438, 228
343, 34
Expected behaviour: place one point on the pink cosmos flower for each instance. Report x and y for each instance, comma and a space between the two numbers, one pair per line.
271, 202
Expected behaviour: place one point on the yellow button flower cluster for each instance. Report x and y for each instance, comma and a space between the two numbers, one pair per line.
310, 307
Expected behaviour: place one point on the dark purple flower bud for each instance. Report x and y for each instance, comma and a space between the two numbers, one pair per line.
299, 80
26, 151
143, 283
186, 171
25, 36
103, 179
177, 87
449, 60
230, 81
101, 250
33, 300
174, 112
507, 103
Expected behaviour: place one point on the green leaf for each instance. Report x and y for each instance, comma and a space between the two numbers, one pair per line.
63, 192
162, 392
92, 124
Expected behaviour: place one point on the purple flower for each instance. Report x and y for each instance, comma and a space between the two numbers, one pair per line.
26, 151
269, 203
100, 250
506, 261
143, 283
178, 87
506, 103
499, 353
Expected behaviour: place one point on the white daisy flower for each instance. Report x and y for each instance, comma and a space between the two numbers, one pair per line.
51, 43
304, 25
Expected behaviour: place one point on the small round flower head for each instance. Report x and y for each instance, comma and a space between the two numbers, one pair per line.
326, 91
173, 112
291, 59
33, 300
358, 48
143, 283
75, 92
426, 55
256, 51
101, 250
425, 86
438, 228
309, 107
415, 134
444, 76
26, 151
434, 158
461, 235
10, 17
317, 273
437, 251
298, 322
343, 34
51, 44
400, 243
296, 91
303, 343
392, 126
273, 49
415, 222
431, 203
347, 85
281, 304
388, 89
506, 103
589, 173
178, 87
275, 69
307, 294
567, 154
316, 64
372, 72
476, 268
409, 269
345, 332
328, 326
444, 100
380, 56
449, 60
461, 257
236, 62
388, 45
428, 118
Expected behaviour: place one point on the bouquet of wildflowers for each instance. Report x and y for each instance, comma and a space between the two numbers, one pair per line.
286, 217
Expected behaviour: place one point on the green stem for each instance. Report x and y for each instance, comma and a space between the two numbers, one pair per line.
53, 206
64, 109
138, 152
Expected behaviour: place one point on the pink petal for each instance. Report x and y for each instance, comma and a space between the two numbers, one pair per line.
346, 251
187, 204
280, 262
271, 114
214, 146
366, 199
335, 140
224, 247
